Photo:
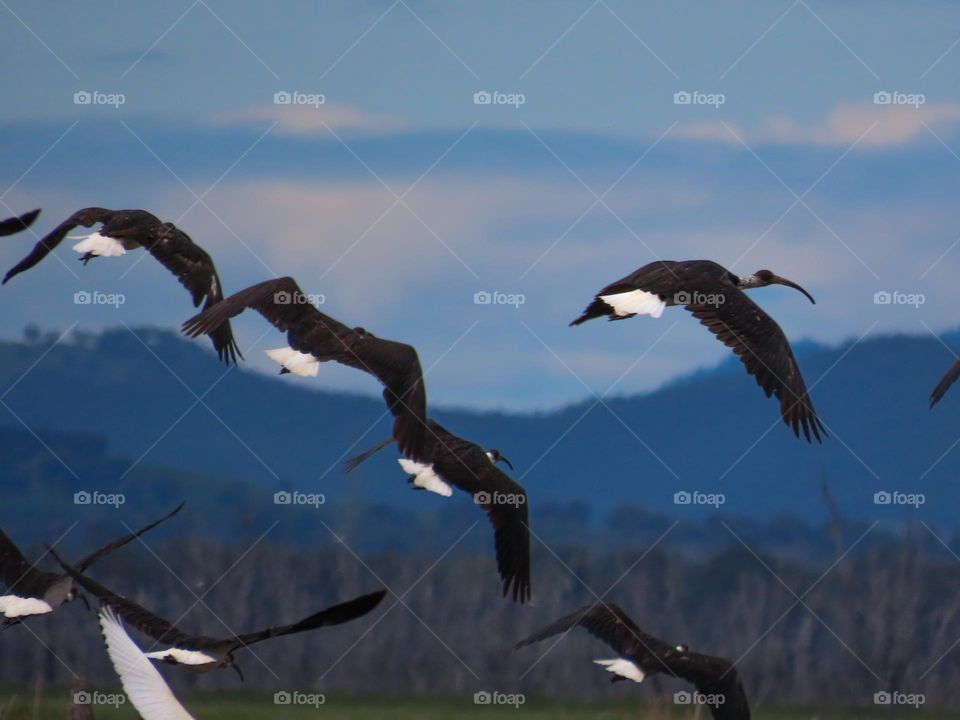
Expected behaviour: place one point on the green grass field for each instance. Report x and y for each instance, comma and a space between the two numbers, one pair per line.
53, 704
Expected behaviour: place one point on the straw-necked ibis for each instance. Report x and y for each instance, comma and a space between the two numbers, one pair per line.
314, 337
715, 297
449, 460
31, 591
122, 230
641, 655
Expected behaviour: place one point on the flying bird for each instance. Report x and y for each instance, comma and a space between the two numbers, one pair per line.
314, 337
715, 297
144, 685
640, 655
450, 461
122, 230
18, 224
949, 379
31, 591
200, 653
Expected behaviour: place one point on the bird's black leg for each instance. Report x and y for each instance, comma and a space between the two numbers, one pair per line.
239, 671
87, 257
85, 601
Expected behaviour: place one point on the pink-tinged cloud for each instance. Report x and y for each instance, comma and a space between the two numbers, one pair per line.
309, 115
868, 125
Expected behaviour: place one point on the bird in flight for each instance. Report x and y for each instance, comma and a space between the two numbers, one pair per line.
201, 653
716, 297
122, 230
450, 461
314, 337
640, 655
18, 224
949, 379
31, 591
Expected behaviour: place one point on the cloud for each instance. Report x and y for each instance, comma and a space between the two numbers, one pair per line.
874, 126
312, 116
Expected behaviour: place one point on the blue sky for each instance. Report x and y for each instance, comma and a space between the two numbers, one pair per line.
398, 197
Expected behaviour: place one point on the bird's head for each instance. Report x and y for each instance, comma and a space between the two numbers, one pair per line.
763, 278
495, 457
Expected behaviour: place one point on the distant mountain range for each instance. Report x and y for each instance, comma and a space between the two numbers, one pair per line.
155, 400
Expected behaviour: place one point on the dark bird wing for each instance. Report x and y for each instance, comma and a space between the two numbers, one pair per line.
194, 268
93, 557
949, 379
18, 574
710, 675
396, 365
136, 615
465, 465
763, 348
336, 615
86, 218
18, 224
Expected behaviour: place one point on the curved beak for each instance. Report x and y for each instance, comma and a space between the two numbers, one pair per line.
777, 280
507, 461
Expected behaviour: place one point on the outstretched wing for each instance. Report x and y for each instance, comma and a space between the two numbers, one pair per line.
283, 304
606, 622
466, 466
86, 218
949, 379
763, 348
146, 688
336, 615
136, 615
18, 224
96, 555
194, 268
